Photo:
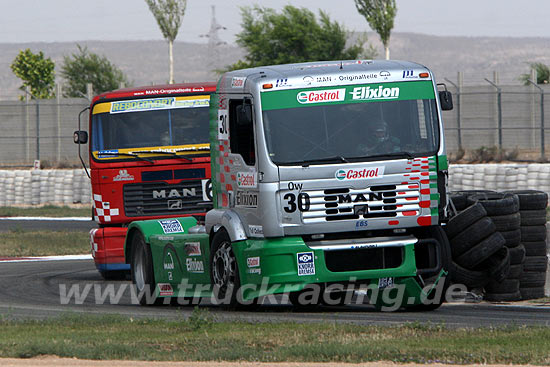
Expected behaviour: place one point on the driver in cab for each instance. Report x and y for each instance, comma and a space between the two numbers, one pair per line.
379, 140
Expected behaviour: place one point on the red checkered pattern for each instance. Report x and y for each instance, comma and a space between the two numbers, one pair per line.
102, 210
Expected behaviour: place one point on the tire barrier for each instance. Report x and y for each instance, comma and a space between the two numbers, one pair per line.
62, 187
532, 209
498, 241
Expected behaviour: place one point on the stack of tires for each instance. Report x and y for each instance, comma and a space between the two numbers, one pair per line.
476, 246
532, 205
503, 211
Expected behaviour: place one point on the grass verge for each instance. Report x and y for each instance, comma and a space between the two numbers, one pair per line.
43, 243
45, 211
199, 338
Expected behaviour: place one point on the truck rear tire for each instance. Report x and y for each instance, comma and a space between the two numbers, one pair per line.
142, 271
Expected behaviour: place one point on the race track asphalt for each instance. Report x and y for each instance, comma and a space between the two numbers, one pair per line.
34, 290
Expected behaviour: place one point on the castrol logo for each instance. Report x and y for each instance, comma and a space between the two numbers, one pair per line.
321, 96
360, 173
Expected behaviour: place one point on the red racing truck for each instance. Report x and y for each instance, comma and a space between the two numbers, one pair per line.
149, 158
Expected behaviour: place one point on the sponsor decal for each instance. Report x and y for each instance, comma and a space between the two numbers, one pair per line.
246, 199
360, 173
282, 83
358, 77
253, 262
306, 263
206, 190
123, 176
174, 193
319, 96
359, 198
246, 179
385, 283
171, 226
254, 271
168, 262
191, 103
308, 80
193, 248
360, 224
238, 81
374, 93
107, 153
194, 266
165, 238
385, 74
165, 289
142, 104
255, 230
409, 74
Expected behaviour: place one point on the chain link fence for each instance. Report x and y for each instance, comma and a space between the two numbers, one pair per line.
40, 130
488, 122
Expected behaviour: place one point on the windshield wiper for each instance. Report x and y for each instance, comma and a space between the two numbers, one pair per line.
173, 154
126, 154
392, 154
334, 159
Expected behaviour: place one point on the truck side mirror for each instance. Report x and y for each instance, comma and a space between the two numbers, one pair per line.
244, 114
80, 137
446, 100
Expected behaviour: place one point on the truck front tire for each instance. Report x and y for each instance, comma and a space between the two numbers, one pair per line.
142, 271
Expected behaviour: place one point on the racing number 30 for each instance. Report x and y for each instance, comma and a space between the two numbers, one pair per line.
302, 204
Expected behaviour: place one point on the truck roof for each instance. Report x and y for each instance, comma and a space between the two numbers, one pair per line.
322, 73
156, 90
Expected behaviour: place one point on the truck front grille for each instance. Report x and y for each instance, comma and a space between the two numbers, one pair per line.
364, 259
160, 198
382, 201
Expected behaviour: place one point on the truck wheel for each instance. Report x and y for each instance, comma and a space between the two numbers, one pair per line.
439, 235
224, 271
142, 271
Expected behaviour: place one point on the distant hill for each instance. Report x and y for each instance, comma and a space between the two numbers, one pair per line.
146, 62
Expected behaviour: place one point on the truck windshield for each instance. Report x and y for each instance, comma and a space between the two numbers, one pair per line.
148, 128
321, 133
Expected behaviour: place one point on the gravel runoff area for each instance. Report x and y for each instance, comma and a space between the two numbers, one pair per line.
52, 361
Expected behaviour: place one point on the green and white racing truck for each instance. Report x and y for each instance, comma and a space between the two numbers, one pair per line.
323, 174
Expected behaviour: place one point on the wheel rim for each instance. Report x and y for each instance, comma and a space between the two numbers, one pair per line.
224, 267
139, 269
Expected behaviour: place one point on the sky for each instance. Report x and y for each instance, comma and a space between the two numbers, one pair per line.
80, 20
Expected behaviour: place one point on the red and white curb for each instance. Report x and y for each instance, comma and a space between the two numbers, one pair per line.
45, 258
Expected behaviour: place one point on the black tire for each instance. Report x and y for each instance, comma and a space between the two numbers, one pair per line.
143, 276
535, 263
537, 248
531, 279
470, 278
464, 219
503, 297
511, 238
532, 293
536, 217
471, 236
515, 271
517, 255
497, 203
531, 199
437, 233
481, 252
224, 270
507, 222
506, 286
498, 265
460, 201
533, 233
